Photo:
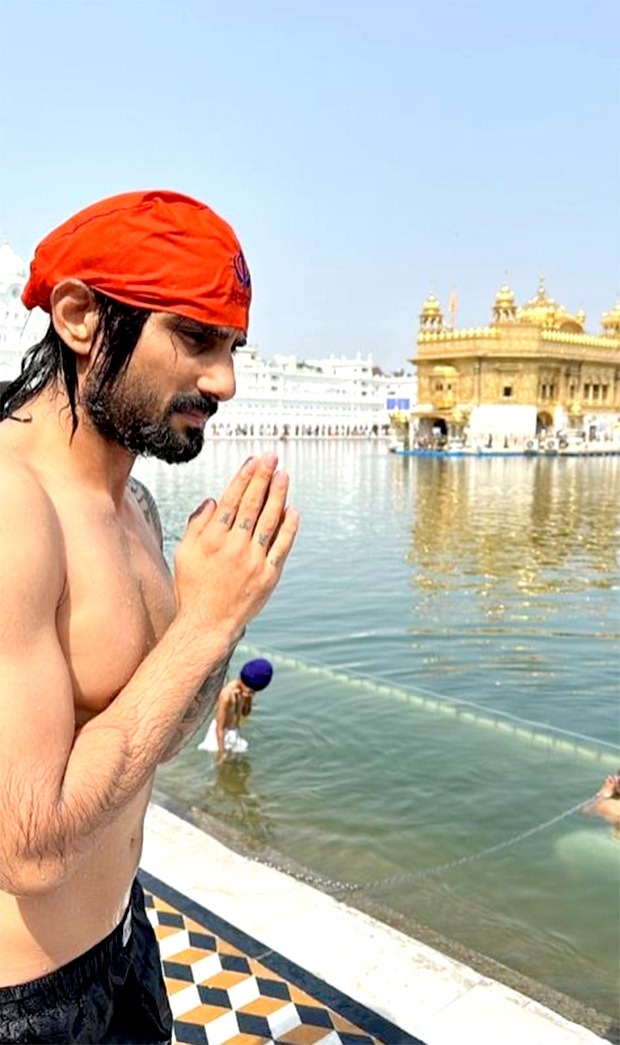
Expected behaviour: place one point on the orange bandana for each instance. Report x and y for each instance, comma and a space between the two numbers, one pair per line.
156, 250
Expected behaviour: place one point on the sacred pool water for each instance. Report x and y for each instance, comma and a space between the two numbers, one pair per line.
445, 698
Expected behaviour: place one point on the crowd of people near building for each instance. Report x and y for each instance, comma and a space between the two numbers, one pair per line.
252, 430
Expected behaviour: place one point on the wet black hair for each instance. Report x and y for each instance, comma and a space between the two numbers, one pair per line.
51, 361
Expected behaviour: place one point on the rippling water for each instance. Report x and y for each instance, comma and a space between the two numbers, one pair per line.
446, 687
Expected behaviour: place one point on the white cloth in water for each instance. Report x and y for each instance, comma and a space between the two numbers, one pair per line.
233, 741
590, 851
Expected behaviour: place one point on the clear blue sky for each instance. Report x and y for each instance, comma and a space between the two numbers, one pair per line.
365, 152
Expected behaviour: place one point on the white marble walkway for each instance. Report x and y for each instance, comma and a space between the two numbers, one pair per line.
428, 994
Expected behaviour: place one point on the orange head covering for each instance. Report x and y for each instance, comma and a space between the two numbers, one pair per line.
157, 250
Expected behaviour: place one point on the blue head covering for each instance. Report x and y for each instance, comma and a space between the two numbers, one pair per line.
256, 674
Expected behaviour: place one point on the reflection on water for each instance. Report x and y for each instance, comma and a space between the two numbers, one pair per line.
540, 525
493, 582
230, 798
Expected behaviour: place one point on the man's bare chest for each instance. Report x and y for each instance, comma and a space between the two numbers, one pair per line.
118, 602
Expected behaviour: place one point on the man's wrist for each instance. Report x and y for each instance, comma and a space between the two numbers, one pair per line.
206, 650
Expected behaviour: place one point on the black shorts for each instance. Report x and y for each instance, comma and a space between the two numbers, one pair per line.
113, 993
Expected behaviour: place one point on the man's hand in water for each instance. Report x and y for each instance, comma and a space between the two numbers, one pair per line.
610, 788
606, 802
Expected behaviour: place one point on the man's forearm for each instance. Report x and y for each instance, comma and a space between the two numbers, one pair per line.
112, 758
167, 697
200, 708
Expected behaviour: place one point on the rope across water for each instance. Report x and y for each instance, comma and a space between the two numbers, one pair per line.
541, 732
342, 888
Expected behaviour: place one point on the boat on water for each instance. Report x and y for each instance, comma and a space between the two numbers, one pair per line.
447, 452
544, 447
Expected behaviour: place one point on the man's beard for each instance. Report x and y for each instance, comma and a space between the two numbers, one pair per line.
124, 411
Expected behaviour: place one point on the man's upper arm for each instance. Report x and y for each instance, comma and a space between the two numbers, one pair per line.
223, 703
37, 720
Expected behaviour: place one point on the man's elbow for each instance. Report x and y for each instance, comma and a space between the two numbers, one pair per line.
32, 876
169, 754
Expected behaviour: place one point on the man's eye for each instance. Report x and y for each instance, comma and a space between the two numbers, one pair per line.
200, 341
187, 335
197, 342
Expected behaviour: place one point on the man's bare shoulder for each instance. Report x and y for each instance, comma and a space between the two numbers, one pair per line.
30, 531
228, 692
19, 479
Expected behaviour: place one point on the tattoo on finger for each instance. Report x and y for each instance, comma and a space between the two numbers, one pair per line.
276, 560
245, 524
263, 539
226, 518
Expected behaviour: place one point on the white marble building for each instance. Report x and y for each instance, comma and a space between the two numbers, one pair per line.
19, 329
329, 397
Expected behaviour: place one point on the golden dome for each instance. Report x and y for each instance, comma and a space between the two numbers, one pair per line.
505, 296
431, 306
543, 311
611, 320
431, 316
539, 310
504, 308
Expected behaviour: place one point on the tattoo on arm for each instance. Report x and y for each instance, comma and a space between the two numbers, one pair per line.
148, 507
201, 706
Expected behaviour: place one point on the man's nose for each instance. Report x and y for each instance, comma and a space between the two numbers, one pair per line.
218, 379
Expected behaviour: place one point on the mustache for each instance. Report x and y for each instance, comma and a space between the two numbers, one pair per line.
194, 404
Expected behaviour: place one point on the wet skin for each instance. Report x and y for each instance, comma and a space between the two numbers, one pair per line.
106, 660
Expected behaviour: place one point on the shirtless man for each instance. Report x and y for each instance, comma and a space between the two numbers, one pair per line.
107, 663
606, 802
234, 704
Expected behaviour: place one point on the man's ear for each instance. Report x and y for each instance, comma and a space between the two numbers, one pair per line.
74, 314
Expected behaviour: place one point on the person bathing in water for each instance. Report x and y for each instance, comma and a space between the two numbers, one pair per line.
606, 802
233, 707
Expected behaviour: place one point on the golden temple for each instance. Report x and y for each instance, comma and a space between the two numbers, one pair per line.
533, 371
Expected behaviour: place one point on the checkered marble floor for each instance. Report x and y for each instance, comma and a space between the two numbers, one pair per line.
226, 987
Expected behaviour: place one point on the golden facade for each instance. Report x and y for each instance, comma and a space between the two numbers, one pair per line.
534, 369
